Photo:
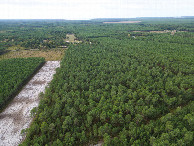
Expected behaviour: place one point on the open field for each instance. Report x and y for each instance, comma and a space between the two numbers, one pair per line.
15, 48
71, 38
17, 115
165, 31
124, 22
3, 31
49, 55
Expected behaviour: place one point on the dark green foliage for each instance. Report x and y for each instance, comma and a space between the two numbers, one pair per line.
14, 73
119, 90
31, 34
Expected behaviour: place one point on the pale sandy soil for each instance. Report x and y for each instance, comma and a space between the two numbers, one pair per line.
100, 143
17, 115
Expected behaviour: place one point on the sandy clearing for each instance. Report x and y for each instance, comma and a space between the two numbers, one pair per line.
17, 115
100, 143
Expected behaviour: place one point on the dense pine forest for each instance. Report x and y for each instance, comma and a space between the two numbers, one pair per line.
14, 73
124, 84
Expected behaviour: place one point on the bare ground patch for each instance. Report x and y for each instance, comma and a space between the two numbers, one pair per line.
17, 115
71, 38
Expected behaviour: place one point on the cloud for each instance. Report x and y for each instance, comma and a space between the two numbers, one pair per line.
87, 9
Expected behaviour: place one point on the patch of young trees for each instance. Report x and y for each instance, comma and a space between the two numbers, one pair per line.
14, 73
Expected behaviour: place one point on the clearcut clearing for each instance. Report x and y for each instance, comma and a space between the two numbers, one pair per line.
17, 115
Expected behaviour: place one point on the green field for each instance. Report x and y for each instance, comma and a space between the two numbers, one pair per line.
14, 73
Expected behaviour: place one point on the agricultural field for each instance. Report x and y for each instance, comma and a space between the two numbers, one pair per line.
14, 73
123, 84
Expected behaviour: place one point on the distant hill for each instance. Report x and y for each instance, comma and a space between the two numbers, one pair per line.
140, 18
189, 17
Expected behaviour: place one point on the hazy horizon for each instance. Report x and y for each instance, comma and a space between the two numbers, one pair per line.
93, 9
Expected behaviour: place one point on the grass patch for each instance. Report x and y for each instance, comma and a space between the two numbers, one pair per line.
49, 55
71, 38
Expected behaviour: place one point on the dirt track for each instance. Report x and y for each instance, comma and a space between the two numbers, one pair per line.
17, 115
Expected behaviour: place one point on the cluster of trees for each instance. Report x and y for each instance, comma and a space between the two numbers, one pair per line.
178, 38
14, 73
31, 35
119, 90
47, 34
2, 48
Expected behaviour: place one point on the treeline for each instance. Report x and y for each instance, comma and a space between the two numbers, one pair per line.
47, 34
14, 73
179, 37
124, 91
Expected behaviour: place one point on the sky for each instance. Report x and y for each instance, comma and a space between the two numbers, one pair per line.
90, 9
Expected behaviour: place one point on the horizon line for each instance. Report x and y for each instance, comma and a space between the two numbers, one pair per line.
93, 18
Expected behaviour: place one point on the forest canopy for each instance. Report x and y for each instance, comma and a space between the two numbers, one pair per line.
123, 85
14, 73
